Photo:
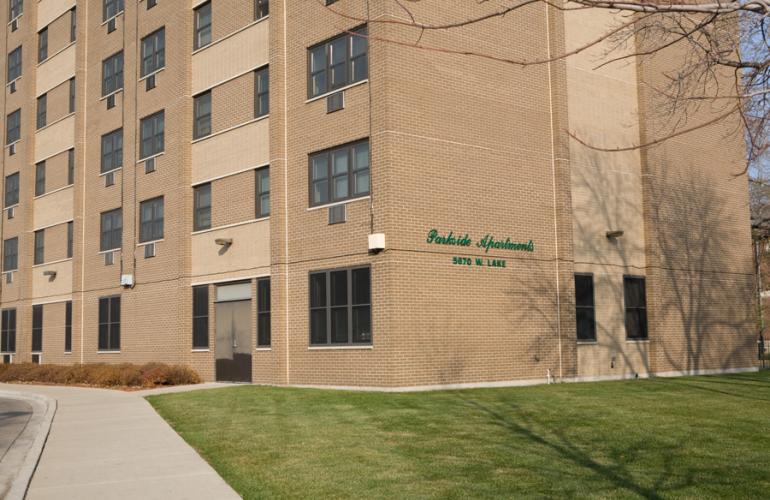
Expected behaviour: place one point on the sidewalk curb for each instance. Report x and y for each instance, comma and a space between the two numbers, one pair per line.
30, 443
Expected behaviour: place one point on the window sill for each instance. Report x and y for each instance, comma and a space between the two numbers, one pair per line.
15, 18
341, 89
148, 75
263, 349
107, 352
110, 171
156, 155
12, 143
201, 350
587, 342
343, 202
365, 347
230, 129
11, 206
152, 242
113, 250
114, 92
637, 341
13, 81
113, 17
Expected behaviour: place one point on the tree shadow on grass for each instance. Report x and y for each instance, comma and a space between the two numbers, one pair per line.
616, 474
691, 384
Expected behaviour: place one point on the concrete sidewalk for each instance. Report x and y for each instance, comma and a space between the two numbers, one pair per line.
106, 444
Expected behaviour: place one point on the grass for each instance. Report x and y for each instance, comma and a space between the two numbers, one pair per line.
695, 437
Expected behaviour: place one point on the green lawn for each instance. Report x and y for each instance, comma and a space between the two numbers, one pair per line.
695, 437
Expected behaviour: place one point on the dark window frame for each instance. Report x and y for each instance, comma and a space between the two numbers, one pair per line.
14, 65
630, 311
39, 254
263, 313
11, 258
111, 238
15, 9
40, 178
109, 327
112, 74
70, 239
72, 95
68, 326
202, 110
111, 156
73, 24
352, 171
42, 111
8, 331
262, 91
37, 328
200, 337
13, 127
12, 195
155, 143
581, 309
262, 192
152, 229
203, 33
328, 306
202, 212
70, 166
261, 9
112, 9
153, 48
329, 70
42, 45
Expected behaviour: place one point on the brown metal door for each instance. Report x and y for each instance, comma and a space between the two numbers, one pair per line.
233, 341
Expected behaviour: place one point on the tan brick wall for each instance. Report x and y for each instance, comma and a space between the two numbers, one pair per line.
57, 172
57, 103
232, 103
228, 16
233, 199
58, 34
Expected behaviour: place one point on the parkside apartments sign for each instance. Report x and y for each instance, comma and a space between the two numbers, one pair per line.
487, 242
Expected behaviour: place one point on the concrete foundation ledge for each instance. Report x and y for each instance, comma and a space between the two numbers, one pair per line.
522, 382
19, 463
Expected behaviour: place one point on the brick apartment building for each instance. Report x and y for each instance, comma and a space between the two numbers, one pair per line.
288, 194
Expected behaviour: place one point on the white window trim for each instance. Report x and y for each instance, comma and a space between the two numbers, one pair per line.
346, 87
230, 129
343, 202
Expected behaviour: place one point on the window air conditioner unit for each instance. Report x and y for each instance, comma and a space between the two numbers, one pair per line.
109, 258
127, 280
11, 213
15, 24
149, 165
9, 277
149, 250
7, 359
150, 82
111, 101
37, 359
335, 102
12, 149
111, 25
109, 179
12, 87
337, 214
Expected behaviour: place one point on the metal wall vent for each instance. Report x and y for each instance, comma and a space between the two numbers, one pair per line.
109, 258
149, 165
109, 179
338, 214
150, 82
335, 102
149, 250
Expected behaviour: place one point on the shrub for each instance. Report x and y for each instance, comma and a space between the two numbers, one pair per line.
101, 374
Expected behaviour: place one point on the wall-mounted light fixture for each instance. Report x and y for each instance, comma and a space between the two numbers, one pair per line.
611, 235
225, 242
50, 274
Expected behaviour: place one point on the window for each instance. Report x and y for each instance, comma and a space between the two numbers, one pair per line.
111, 230
340, 174
111, 8
151, 4
340, 309
261, 9
42, 110
112, 74
40, 178
263, 192
109, 323
152, 129
13, 127
12, 190
202, 26
202, 207
73, 90
263, 312
14, 64
112, 150
584, 307
151, 214
73, 24
68, 326
71, 166
201, 317
202, 118
153, 52
261, 92
70, 238
37, 328
11, 254
42, 45
338, 62
636, 307
8, 337
39, 247
16, 8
